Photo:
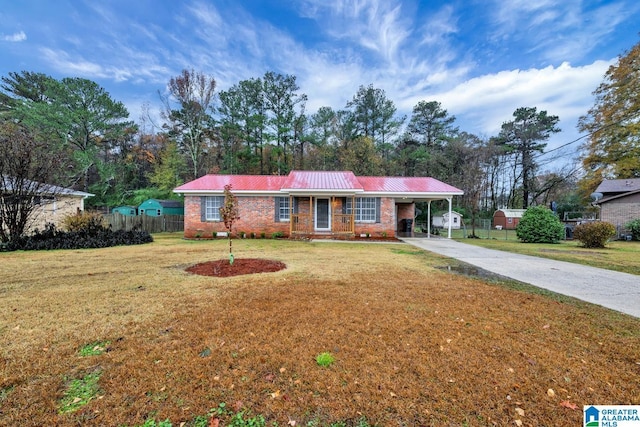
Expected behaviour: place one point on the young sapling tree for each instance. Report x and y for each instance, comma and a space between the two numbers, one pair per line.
229, 214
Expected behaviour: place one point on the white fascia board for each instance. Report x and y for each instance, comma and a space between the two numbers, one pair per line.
234, 192
320, 192
414, 196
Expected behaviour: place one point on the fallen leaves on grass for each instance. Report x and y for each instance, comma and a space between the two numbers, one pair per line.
569, 405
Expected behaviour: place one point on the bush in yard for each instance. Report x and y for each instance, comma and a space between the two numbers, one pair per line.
634, 228
83, 221
93, 237
539, 225
594, 234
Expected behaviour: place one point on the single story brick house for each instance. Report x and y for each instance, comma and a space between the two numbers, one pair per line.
619, 202
310, 203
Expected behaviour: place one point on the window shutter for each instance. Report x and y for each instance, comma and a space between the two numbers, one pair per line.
295, 205
344, 205
276, 215
378, 205
203, 209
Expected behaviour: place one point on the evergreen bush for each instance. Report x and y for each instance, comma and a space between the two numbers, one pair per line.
594, 234
92, 237
634, 228
539, 225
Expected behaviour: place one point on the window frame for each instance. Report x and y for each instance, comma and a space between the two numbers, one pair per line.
215, 211
284, 210
370, 212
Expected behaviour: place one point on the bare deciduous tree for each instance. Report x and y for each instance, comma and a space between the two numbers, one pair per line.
191, 121
27, 172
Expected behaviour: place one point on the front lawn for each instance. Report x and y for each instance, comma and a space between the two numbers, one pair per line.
348, 334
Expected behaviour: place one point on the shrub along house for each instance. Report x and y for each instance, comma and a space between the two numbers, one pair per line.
304, 203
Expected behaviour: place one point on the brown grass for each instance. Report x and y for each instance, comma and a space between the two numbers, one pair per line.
414, 346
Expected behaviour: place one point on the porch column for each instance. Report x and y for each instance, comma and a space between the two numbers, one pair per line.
429, 219
291, 219
332, 215
449, 232
311, 224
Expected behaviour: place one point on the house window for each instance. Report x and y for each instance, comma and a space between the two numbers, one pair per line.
365, 209
283, 208
212, 207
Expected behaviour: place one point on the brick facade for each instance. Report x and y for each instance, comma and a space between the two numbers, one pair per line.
405, 211
620, 211
258, 215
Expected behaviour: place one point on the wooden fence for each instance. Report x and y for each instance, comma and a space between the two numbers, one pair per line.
152, 224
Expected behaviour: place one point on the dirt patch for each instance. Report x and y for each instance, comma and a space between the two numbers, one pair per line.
222, 267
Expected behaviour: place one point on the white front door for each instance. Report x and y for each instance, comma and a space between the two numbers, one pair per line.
323, 215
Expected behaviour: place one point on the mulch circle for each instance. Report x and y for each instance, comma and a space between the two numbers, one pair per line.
222, 268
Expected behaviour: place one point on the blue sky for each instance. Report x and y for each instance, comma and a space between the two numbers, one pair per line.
481, 59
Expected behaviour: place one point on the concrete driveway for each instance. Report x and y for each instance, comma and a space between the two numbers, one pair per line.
611, 289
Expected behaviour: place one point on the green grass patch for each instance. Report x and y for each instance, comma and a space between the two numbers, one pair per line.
407, 252
95, 348
325, 359
153, 423
80, 392
4, 392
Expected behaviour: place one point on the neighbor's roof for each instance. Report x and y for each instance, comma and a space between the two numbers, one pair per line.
615, 197
618, 185
163, 203
7, 185
320, 181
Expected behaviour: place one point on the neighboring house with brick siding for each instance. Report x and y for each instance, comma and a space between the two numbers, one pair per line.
620, 202
306, 203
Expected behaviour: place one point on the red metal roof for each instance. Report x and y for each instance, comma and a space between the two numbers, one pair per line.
400, 184
319, 181
237, 182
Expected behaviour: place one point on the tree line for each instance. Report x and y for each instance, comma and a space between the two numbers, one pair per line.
261, 126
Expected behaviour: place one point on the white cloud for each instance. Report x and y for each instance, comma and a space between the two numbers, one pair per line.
141, 66
483, 103
380, 26
557, 31
20, 36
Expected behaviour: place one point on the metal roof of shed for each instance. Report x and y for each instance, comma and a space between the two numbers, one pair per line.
511, 213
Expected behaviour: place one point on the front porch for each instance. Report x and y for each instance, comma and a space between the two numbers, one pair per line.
320, 215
